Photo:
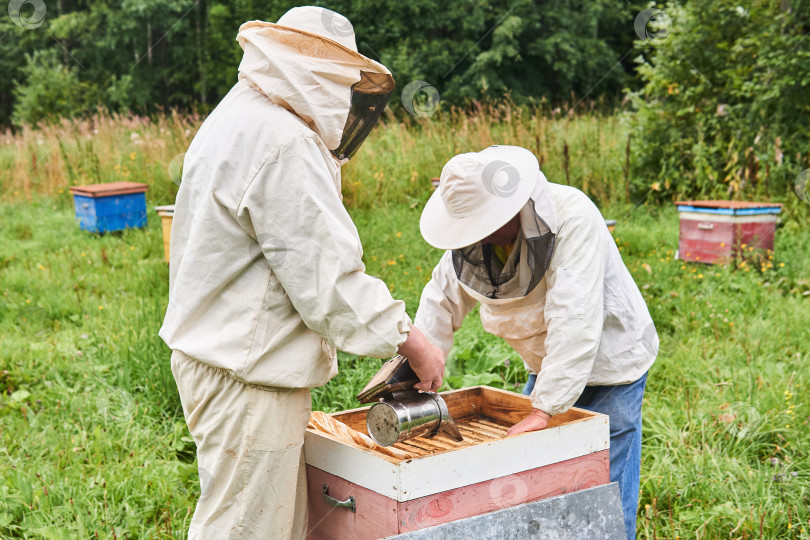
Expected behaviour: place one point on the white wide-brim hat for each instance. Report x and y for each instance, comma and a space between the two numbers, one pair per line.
478, 194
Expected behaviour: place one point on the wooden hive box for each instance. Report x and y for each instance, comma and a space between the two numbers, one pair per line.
111, 207
718, 232
166, 214
447, 480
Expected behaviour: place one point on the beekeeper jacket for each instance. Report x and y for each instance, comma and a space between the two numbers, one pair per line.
585, 323
266, 277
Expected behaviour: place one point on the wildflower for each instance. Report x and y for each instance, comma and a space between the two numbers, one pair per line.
700, 276
399, 235
781, 265
100, 307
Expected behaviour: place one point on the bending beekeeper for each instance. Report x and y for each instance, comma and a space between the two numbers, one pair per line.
266, 278
546, 272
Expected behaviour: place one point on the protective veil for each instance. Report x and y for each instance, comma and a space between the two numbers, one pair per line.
575, 317
478, 268
369, 98
338, 92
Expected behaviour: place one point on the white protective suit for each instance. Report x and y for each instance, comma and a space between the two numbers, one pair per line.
585, 323
266, 276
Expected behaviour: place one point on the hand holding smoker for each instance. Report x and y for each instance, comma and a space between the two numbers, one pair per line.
401, 411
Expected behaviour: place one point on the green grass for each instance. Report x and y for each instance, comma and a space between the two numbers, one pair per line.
93, 442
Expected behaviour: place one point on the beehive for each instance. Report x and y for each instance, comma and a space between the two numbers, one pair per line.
445, 480
166, 214
111, 207
721, 231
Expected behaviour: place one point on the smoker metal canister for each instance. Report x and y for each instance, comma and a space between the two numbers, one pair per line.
390, 422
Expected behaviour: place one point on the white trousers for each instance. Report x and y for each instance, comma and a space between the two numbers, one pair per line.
250, 454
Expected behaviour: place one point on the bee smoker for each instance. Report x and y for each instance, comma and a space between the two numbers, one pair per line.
402, 412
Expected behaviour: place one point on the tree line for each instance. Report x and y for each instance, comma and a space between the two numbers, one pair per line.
69, 57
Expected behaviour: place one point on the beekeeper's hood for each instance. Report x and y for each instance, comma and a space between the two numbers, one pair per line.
478, 194
308, 63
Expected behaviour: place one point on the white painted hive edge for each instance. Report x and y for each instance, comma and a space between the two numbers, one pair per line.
357, 466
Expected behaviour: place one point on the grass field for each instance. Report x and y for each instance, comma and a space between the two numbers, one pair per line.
92, 436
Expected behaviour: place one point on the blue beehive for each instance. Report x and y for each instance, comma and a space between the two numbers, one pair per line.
110, 207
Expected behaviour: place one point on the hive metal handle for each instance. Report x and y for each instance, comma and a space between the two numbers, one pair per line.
350, 503
706, 226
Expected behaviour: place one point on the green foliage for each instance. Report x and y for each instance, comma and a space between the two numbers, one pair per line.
725, 107
144, 55
52, 90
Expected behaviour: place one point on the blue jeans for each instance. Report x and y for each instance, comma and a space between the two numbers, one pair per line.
623, 404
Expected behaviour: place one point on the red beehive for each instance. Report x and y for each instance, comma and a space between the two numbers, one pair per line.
719, 231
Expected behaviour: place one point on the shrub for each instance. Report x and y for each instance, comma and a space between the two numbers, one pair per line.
51, 90
724, 107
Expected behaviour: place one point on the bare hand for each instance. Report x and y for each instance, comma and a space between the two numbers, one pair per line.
536, 421
426, 360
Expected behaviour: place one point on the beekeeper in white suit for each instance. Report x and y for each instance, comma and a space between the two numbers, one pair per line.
541, 263
266, 277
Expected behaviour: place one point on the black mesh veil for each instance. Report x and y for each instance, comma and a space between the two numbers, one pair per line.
480, 269
370, 95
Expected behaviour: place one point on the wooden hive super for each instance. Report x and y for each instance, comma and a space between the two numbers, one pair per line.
444, 480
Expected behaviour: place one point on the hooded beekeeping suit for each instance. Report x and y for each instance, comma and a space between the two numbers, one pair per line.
266, 277
562, 297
